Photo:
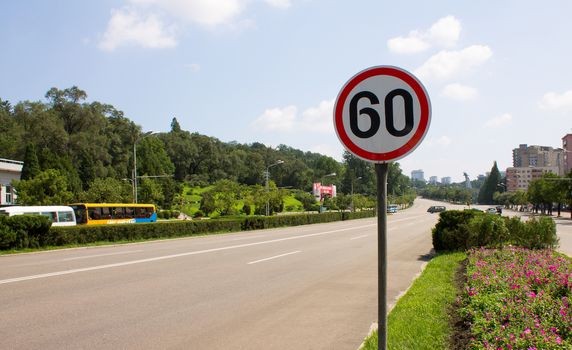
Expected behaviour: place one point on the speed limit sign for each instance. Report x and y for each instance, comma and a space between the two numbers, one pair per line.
382, 114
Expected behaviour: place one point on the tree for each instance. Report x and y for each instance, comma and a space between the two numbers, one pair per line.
207, 203
490, 186
307, 199
31, 166
150, 191
107, 190
49, 187
152, 159
358, 168
175, 127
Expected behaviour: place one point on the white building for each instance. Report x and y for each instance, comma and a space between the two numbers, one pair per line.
9, 170
446, 180
418, 175
433, 180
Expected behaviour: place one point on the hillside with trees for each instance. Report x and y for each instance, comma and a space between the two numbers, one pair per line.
74, 150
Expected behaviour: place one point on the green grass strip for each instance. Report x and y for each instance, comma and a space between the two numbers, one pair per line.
420, 318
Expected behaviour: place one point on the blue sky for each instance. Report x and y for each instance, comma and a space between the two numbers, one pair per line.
497, 72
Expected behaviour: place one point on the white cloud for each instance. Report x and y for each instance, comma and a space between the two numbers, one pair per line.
282, 4
444, 33
460, 92
447, 64
204, 12
500, 121
318, 118
408, 45
314, 119
554, 101
277, 119
128, 27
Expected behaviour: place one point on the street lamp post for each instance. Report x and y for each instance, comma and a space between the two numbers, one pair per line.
267, 188
148, 133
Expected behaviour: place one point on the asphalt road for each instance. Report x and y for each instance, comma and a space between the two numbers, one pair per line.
307, 287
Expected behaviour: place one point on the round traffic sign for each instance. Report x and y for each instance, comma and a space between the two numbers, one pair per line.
382, 114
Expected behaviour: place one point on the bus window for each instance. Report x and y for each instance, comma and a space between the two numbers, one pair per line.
139, 212
65, 216
129, 213
51, 215
148, 212
118, 213
80, 214
105, 213
94, 213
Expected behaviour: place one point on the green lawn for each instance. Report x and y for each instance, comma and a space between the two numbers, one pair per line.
420, 319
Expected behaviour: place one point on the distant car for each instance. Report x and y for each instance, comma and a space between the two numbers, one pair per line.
392, 208
436, 209
491, 211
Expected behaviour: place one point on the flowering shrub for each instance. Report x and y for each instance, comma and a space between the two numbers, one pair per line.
518, 299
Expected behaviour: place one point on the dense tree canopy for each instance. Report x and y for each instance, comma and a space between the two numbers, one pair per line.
87, 142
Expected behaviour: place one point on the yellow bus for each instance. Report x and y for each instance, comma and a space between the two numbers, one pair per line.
113, 213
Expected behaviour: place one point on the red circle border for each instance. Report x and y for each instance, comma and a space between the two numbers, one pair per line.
425, 107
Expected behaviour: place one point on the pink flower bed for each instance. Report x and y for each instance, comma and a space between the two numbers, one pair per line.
518, 299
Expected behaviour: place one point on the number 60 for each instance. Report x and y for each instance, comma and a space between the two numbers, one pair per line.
374, 116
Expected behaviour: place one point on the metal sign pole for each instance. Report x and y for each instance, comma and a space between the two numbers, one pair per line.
381, 172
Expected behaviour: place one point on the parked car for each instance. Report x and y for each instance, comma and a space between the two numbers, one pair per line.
392, 208
491, 211
436, 209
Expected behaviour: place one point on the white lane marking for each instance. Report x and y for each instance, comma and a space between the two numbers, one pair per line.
358, 237
165, 257
273, 257
99, 255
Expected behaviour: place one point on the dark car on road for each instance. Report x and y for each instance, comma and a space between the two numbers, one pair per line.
436, 209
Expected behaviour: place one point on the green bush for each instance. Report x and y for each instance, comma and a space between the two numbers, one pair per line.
451, 232
24, 231
534, 233
461, 230
362, 214
487, 231
7, 235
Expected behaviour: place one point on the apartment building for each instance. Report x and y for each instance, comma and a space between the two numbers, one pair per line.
518, 178
567, 156
538, 156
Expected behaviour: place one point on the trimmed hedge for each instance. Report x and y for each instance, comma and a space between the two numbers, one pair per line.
24, 231
459, 230
58, 236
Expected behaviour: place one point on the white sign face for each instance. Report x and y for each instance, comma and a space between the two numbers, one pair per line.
382, 114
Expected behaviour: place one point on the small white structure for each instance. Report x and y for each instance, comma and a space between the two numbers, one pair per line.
9, 170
